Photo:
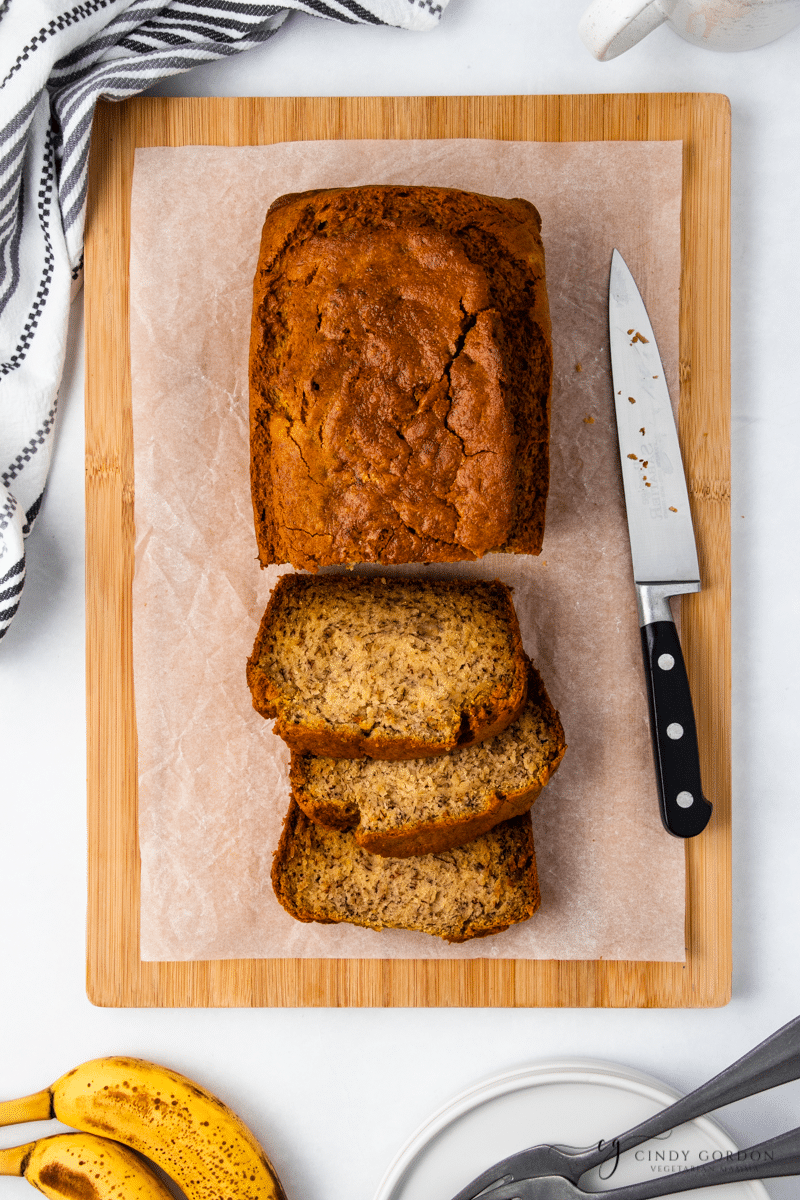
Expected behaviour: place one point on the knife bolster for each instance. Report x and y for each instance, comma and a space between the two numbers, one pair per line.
652, 599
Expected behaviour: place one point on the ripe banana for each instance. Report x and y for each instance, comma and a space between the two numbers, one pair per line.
180, 1126
72, 1165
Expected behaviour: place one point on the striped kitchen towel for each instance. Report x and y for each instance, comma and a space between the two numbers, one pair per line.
57, 57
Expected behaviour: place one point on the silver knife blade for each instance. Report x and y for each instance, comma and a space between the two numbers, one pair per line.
656, 499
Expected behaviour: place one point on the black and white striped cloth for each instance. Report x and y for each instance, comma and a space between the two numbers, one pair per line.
57, 57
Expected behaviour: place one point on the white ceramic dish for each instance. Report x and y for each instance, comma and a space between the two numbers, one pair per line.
573, 1102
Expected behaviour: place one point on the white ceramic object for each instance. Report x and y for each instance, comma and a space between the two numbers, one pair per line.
569, 1101
609, 27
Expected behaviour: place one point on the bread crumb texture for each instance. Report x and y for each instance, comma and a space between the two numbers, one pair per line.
400, 377
425, 805
483, 888
387, 668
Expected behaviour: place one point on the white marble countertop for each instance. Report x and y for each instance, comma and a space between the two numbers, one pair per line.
333, 1094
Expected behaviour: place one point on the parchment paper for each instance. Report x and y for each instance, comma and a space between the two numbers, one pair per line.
212, 777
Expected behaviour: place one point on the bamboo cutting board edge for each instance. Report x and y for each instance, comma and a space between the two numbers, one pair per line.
115, 975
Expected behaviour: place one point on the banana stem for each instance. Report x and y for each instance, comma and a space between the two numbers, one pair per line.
14, 1160
37, 1107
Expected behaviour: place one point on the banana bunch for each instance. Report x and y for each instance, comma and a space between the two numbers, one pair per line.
185, 1130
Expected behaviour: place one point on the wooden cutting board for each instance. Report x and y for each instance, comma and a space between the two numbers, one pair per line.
115, 974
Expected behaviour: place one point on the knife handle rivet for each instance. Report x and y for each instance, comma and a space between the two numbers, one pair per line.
666, 662
684, 799
675, 731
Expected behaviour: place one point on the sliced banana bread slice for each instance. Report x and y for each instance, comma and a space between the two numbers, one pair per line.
472, 891
425, 805
354, 667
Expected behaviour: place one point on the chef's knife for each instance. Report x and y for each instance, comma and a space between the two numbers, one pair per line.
662, 546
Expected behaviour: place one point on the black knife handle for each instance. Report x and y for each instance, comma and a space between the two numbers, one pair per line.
684, 809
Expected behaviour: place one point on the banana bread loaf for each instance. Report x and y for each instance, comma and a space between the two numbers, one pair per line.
321, 874
426, 805
400, 375
354, 667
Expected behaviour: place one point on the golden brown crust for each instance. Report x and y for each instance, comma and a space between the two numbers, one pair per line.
483, 716
400, 374
312, 867
335, 816
446, 828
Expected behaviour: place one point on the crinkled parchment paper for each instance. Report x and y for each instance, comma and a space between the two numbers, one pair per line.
212, 776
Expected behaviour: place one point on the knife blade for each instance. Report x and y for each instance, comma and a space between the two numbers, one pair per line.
663, 546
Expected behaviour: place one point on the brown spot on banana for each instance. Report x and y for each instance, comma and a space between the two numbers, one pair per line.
56, 1179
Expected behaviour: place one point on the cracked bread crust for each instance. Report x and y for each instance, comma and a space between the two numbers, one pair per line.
355, 667
400, 377
425, 806
473, 891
